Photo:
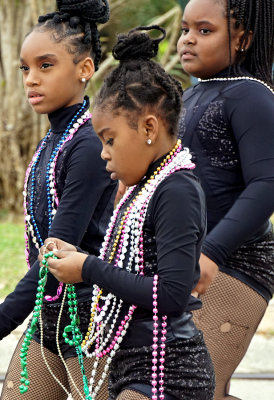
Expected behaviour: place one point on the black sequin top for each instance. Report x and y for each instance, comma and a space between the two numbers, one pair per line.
229, 128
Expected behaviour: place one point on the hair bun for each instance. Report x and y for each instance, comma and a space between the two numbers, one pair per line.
137, 45
88, 10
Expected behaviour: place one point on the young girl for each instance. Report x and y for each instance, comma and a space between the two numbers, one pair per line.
228, 124
141, 308
68, 193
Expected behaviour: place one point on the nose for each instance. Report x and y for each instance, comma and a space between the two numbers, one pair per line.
186, 38
104, 154
31, 79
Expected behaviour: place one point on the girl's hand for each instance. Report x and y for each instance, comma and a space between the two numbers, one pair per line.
55, 244
68, 266
208, 273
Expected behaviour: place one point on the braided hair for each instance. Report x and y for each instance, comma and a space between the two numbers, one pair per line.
256, 16
75, 22
139, 83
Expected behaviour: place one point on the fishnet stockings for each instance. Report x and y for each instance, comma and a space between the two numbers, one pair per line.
229, 318
42, 384
131, 395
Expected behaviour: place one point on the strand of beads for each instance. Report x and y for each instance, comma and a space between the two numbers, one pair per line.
33, 326
237, 78
42, 346
155, 346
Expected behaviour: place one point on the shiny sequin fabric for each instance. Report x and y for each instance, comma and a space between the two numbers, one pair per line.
188, 369
50, 314
255, 260
216, 137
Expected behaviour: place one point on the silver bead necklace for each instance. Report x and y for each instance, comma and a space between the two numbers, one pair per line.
237, 78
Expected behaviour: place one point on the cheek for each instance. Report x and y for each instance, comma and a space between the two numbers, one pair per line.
179, 43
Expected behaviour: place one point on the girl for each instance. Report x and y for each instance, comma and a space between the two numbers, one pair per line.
67, 193
141, 311
228, 124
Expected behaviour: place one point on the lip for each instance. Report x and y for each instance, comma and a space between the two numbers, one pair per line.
187, 54
35, 97
113, 174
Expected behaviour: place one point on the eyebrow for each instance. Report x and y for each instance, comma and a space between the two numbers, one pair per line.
199, 22
102, 131
42, 57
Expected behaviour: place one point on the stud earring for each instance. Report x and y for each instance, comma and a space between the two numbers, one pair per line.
83, 80
149, 141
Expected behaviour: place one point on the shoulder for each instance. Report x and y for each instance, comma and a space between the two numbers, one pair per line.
181, 187
250, 87
86, 139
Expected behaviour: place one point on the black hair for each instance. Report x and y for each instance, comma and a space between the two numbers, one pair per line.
255, 16
75, 21
139, 82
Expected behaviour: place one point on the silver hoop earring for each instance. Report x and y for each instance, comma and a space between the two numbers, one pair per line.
83, 80
149, 141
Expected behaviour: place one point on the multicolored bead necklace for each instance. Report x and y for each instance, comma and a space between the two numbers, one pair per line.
31, 228
129, 241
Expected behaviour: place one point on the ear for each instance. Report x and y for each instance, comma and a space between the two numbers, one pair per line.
86, 68
247, 42
149, 128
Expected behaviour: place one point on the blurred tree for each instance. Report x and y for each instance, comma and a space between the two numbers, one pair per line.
20, 127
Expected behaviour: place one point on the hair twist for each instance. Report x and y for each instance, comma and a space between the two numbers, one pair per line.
138, 82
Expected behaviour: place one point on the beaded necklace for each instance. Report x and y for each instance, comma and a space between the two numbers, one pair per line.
31, 227
237, 78
129, 241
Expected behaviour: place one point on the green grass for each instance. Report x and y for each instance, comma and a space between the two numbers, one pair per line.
12, 256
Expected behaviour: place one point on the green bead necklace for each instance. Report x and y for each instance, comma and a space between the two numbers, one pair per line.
73, 328
33, 325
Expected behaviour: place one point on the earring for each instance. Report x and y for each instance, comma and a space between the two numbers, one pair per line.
242, 50
83, 80
149, 141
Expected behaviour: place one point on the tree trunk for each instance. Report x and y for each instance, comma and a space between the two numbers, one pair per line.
20, 127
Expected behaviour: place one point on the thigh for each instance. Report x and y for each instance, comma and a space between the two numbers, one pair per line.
229, 318
42, 384
128, 394
76, 378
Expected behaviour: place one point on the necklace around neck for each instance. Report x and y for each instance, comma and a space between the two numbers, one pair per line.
237, 78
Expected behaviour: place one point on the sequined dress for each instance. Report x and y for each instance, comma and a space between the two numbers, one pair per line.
228, 126
172, 243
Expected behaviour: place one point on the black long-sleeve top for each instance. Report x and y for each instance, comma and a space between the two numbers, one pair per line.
174, 227
86, 195
229, 127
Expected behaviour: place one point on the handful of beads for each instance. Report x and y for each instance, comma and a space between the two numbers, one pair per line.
76, 336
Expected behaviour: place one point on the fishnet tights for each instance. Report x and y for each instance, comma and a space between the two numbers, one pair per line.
229, 318
131, 395
42, 384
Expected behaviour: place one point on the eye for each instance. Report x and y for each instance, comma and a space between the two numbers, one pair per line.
24, 68
204, 31
109, 141
184, 31
46, 65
